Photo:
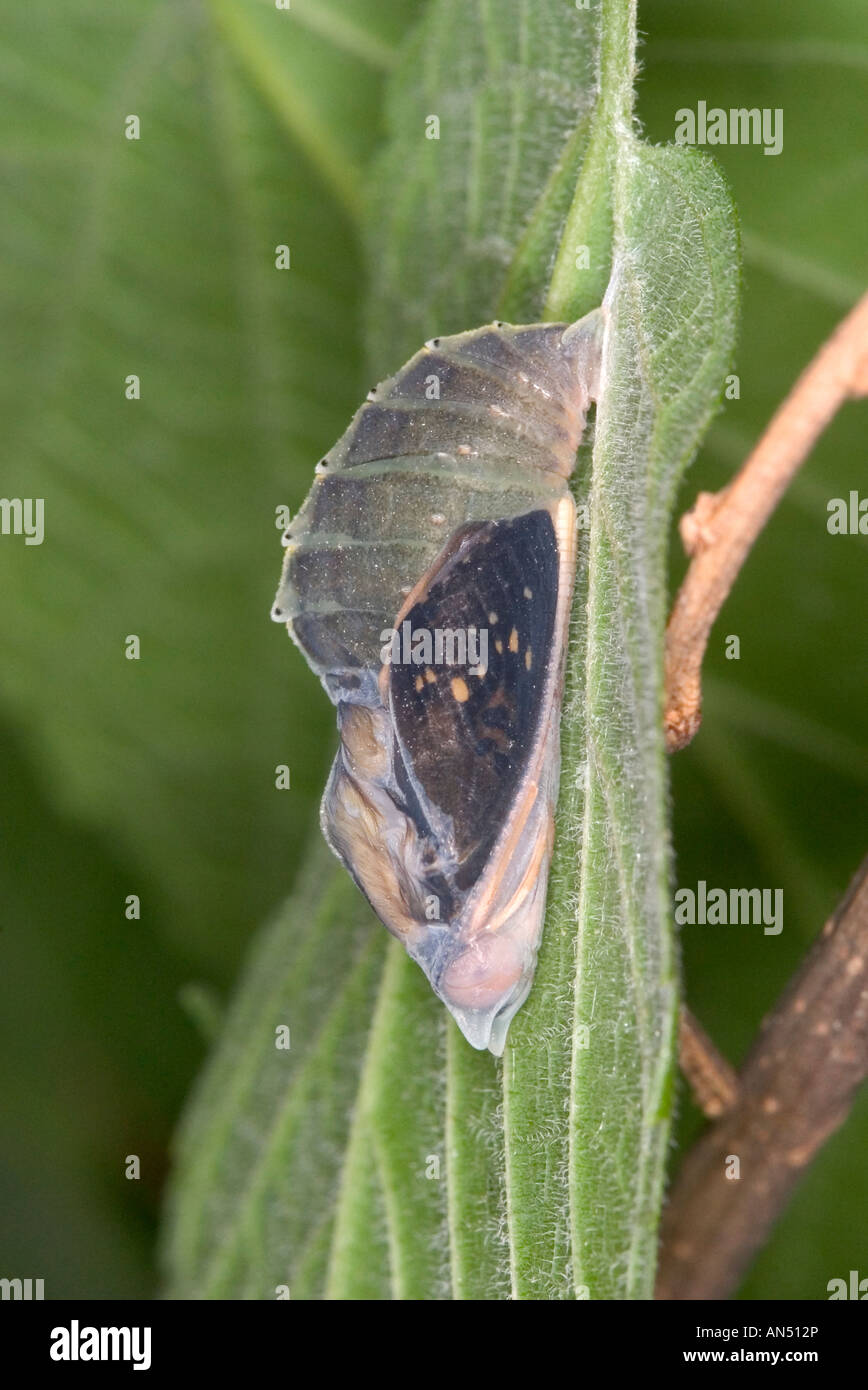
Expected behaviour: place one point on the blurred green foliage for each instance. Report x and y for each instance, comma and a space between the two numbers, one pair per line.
156, 257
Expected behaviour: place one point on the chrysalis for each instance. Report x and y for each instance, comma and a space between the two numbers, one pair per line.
427, 579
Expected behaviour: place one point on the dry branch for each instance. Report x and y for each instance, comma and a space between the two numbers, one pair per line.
794, 1090
720, 530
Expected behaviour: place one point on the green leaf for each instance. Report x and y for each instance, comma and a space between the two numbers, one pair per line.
464, 225
156, 257
672, 309
261, 1147
540, 1177
317, 65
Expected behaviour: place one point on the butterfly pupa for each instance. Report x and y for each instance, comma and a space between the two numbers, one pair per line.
427, 580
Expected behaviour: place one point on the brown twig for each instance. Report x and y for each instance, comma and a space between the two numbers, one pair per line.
722, 527
794, 1090
713, 1081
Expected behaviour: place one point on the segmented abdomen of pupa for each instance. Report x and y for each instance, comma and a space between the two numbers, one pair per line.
482, 425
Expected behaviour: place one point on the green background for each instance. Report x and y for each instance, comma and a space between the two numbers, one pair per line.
156, 777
